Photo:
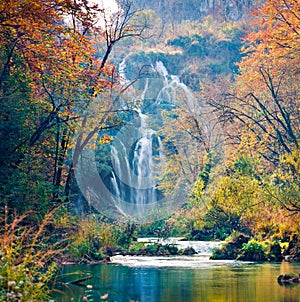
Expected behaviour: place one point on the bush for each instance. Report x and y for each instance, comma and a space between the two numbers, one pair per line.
253, 251
158, 249
221, 222
275, 253
92, 240
152, 248
125, 235
137, 247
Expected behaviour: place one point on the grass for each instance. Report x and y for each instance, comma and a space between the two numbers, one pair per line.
26, 258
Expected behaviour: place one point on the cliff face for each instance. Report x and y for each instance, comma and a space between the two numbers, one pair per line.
174, 11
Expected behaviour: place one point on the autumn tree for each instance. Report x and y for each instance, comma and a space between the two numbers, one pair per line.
264, 99
259, 110
50, 71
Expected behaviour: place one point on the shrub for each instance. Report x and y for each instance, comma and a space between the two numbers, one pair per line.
253, 251
137, 247
91, 241
152, 248
159, 249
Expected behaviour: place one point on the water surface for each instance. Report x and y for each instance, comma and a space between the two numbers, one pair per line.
184, 278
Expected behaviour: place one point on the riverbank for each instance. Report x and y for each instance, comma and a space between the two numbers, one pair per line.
242, 247
175, 246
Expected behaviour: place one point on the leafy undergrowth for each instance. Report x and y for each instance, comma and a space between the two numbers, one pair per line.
244, 248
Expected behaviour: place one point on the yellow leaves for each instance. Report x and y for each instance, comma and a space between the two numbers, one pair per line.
197, 192
237, 194
105, 139
292, 160
284, 183
170, 175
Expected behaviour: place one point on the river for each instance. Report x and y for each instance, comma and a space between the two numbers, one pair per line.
180, 279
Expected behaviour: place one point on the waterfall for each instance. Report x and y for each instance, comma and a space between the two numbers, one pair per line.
172, 88
162, 70
137, 152
133, 179
115, 185
122, 73
129, 183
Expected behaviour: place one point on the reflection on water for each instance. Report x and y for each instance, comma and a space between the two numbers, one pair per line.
208, 281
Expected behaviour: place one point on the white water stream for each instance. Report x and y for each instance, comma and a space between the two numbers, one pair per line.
204, 250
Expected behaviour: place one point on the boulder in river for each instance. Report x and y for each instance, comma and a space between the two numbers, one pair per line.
286, 279
189, 251
275, 253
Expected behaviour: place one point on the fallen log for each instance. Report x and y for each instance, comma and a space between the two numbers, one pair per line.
78, 281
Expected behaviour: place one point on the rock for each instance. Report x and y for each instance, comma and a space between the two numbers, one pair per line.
292, 252
258, 256
230, 250
104, 297
173, 250
189, 251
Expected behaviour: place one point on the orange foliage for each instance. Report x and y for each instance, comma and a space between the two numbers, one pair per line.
277, 41
54, 38
264, 99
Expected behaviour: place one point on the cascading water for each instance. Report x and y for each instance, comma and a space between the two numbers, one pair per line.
137, 157
172, 87
137, 151
133, 179
204, 248
201, 259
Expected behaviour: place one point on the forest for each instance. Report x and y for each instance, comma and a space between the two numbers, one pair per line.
224, 105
